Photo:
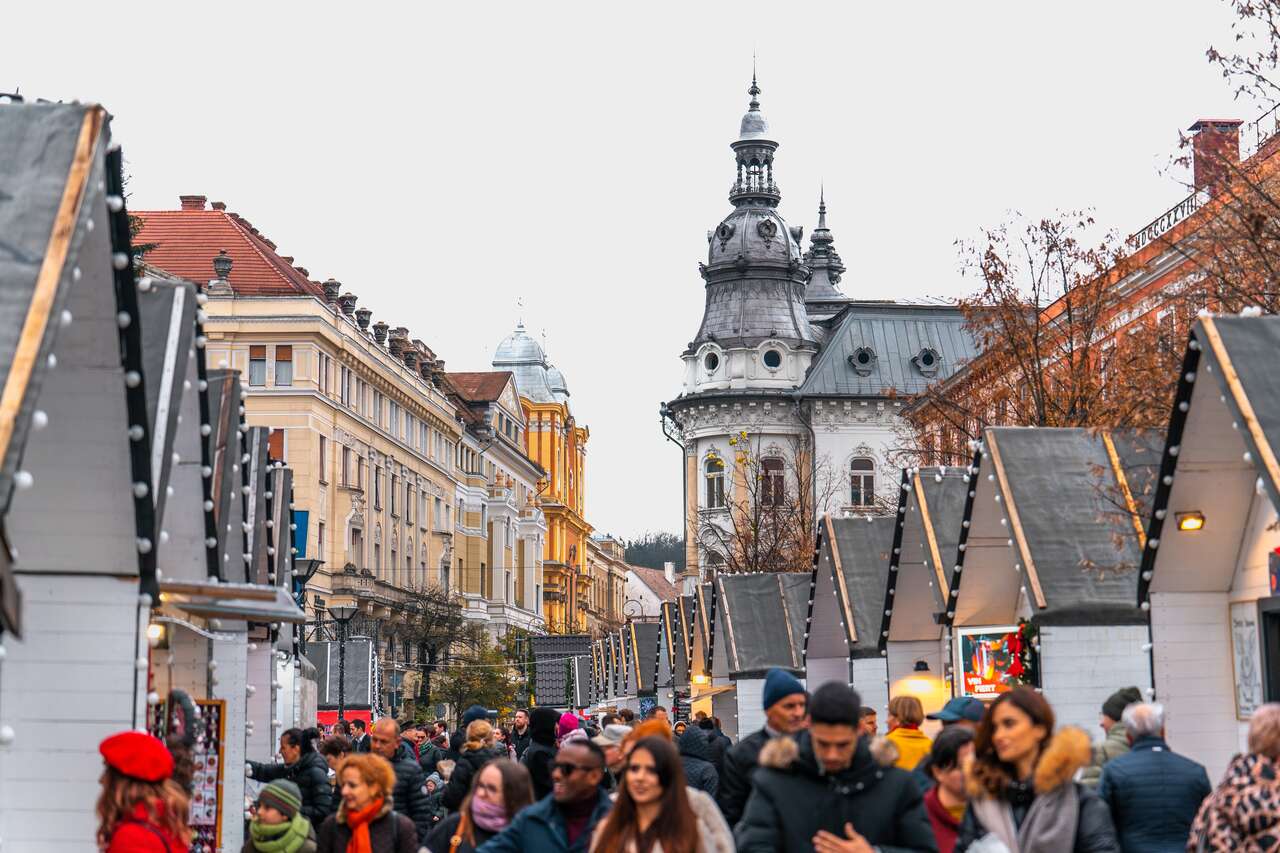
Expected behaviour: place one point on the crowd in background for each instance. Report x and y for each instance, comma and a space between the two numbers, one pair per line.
996, 777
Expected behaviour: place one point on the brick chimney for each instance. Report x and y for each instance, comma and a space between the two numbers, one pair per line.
1215, 152
192, 202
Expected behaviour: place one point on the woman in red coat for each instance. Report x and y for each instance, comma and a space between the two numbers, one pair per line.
141, 809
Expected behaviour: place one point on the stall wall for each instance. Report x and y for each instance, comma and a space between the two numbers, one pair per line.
70, 682
1192, 655
230, 653
903, 656
725, 706
822, 670
870, 679
260, 708
1080, 666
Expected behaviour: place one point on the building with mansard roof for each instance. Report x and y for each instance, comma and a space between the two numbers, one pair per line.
793, 356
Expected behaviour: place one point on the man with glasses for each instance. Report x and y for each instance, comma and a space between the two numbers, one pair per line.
563, 821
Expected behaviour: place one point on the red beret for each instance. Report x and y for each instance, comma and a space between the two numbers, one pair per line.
137, 755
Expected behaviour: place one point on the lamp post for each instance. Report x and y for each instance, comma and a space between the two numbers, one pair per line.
342, 614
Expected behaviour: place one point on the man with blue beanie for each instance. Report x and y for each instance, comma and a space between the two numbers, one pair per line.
784, 711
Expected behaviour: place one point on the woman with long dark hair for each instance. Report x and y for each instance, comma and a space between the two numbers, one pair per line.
653, 812
305, 767
498, 793
1020, 783
140, 808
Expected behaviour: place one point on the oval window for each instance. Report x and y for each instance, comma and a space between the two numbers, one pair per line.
711, 362
927, 358
864, 356
772, 359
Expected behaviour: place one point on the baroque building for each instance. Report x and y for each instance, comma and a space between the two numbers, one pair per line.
554, 440
815, 378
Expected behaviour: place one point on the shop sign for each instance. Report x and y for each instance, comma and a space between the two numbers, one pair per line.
989, 661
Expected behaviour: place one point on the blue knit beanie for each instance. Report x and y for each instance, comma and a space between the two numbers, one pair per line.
778, 685
475, 712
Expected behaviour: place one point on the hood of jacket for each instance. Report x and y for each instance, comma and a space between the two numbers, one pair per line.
478, 758
693, 743
475, 712
1067, 751
542, 725
796, 756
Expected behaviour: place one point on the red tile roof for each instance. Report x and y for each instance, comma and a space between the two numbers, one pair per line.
188, 240
480, 387
657, 581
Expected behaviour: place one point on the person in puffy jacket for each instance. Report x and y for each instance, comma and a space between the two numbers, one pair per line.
696, 758
409, 793
1243, 812
1116, 740
1153, 793
541, 751
824, 789
305, 767
477, 751
783, 700
1020, 782
141, 809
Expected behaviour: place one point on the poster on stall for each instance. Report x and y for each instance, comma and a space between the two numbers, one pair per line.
988, 664
201, 727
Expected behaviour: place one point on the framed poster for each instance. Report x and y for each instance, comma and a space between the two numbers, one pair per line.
1246, 658
987, 661
202, 727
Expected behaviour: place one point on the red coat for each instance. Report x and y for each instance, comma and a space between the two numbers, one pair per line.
138, 834
945, 827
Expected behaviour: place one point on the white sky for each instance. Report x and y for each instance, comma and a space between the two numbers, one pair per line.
444, 160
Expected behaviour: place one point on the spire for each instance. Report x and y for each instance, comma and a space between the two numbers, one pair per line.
754, 153
825, 266
754, 91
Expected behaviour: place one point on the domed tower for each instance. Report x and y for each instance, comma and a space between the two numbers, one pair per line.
755, 331
822, 297
522, 355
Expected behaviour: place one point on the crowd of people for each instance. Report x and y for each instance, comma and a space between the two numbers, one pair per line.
997, 777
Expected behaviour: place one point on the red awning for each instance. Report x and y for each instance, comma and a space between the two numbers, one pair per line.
328, 718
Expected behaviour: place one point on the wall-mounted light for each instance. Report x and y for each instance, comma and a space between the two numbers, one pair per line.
1190, 521
699, 679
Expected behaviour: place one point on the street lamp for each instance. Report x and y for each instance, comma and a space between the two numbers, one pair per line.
342, 614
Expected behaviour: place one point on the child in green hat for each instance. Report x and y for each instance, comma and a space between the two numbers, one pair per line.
278, 825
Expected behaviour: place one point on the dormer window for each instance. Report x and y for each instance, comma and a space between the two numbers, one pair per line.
927, 361
772, 358
711, 362
863, 361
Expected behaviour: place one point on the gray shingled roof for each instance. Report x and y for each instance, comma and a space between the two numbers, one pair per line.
896, 333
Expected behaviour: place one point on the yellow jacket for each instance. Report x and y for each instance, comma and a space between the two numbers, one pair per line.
912, 745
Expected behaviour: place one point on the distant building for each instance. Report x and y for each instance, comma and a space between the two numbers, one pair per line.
648, 589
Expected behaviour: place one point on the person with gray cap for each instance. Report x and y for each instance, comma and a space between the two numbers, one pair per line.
610, 740
784, 703
1116, 743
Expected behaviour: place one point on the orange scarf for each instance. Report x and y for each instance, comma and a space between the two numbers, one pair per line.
359, 822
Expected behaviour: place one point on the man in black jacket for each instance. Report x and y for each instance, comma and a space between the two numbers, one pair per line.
408, 798
520, 736
541, 753
784, 704
699, 772
359, 737
824, 791
718, 742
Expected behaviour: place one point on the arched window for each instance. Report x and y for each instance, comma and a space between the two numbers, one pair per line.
714, 471
715, 562
862, 482
773, 482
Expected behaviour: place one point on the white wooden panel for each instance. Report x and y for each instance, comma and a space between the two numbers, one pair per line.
59, 711
258, 708
902, 656
1082, 665
232, 677
822, 670
750, 694
871, 680
1193, 675
725, 706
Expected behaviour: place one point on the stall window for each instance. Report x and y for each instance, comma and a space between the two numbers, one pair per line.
284, 366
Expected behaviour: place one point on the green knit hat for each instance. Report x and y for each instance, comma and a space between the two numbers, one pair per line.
283, 796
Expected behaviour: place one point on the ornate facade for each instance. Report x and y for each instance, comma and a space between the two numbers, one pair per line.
555, 441
815, 378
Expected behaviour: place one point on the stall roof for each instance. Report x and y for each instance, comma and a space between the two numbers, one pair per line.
1221, 456
1057, 512
280, 607
553, 670
644, 654
926, 537
753, 610
859, 549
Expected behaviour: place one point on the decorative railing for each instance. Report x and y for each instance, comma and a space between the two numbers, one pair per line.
1257, 132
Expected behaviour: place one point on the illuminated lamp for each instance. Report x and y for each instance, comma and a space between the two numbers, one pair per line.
699, 679
1190, 521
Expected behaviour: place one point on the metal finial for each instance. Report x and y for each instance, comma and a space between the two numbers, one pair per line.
755, 88
822, 206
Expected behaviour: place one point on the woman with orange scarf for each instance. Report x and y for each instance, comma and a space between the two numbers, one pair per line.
365, 821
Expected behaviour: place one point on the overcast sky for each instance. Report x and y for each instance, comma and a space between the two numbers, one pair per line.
445, 160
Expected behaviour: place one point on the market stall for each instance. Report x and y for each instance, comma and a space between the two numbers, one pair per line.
1042, 591
1208, 573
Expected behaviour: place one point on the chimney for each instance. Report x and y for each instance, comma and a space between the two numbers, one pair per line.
1215, 152
219, 205
192, 202
669, 570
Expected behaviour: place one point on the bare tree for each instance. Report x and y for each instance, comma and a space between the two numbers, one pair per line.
767, 522
434, 623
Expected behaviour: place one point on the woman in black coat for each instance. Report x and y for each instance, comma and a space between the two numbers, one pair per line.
1019, 761
542, 749
303, 766
499, 791
695, 755
477, 751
